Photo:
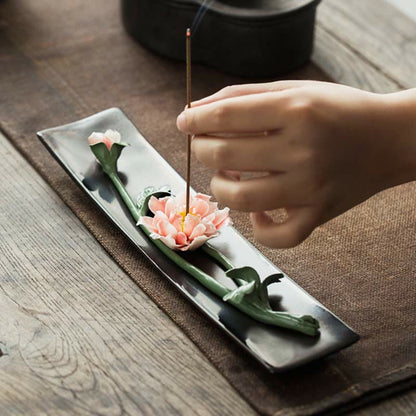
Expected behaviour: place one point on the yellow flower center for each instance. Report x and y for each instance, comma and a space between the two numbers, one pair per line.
183, 215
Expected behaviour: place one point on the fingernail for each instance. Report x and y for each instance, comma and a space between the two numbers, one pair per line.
181, 122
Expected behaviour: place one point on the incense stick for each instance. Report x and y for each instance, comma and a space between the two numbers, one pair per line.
188, 101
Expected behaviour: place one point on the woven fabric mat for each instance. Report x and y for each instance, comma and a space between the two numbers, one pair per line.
64, 60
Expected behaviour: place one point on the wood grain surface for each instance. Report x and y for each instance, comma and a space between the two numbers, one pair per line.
377, 32
344, 66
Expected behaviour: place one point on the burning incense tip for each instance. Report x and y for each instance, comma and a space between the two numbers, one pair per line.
188, 33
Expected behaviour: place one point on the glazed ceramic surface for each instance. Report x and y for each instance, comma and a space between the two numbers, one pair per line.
141, 166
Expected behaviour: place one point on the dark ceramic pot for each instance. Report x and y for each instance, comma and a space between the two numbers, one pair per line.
250, 38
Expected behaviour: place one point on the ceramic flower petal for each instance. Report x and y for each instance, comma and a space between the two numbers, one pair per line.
184, 232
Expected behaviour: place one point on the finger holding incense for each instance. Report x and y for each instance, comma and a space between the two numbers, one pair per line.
251, 113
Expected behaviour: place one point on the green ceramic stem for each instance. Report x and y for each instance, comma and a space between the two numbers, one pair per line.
281, 319
222, 260
125, 195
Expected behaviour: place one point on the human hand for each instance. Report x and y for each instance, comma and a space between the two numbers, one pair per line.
322, 148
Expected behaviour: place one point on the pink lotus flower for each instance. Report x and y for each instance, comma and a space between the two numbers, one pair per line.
108, 138
180, 232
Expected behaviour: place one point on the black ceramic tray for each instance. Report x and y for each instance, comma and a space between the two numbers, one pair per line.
250, 38
140, 166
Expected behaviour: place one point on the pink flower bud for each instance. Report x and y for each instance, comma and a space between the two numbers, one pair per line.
108, 138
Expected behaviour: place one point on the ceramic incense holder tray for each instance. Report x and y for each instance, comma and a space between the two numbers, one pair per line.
250, 38
140, 166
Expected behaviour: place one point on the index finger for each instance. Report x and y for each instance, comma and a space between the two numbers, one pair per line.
245, 114
248, 89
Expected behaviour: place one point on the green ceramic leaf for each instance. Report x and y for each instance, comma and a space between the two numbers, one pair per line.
246, 273
238, 294
144, 197
263, 294
108, 159
258, 294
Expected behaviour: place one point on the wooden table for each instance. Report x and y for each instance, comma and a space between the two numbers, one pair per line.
77, 336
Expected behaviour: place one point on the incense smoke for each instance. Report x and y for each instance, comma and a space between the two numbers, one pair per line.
200, 15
